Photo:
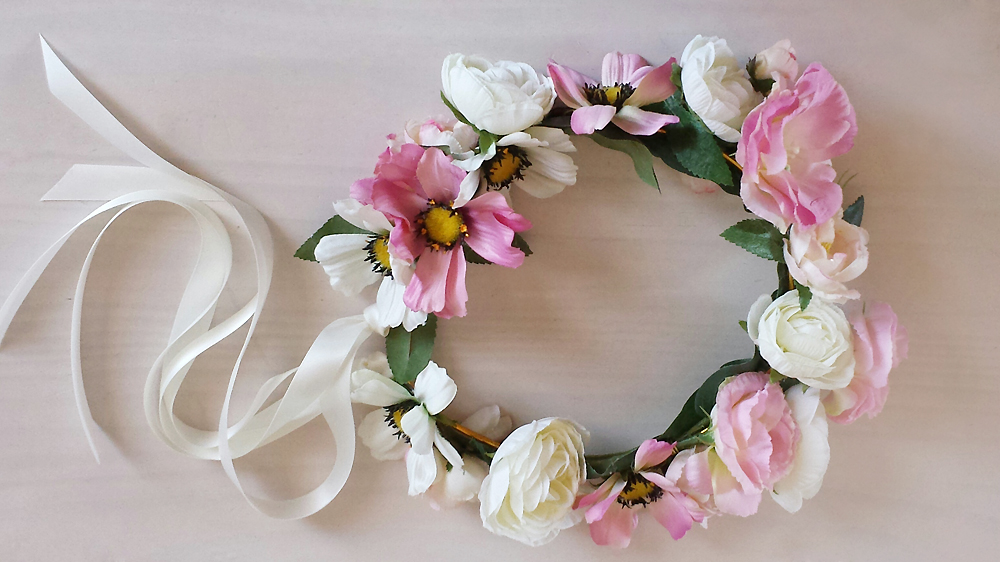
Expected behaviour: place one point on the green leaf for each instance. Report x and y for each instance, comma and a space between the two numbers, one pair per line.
675, 75
692, 144
854, 213
743, 324
603, 466
762, 85
805, 295
486, 140
336, 225
520, 244
758, 237
458, 114
642, 158
472, 257
785, 281
409, 352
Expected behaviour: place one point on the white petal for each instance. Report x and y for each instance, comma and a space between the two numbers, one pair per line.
812, 453
421, 471
413, 319
552, 138
447, 450
402, 270
474, 163
489, 422
343, 258
537, 185
753, 317
519, 139
362, 216
378, 362
375, 389
457, 485
420, 428
389, 303
434, 388
381, 439
469, 186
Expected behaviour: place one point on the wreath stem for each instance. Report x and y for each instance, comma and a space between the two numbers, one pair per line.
468, 432
732, 161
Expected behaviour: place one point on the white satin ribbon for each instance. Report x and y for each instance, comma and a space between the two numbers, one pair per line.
320, 385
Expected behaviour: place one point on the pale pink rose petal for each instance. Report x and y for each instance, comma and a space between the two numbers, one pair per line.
439, 178
492, 225
651, 453
827, 125
654, 86
640, 122
569, 85
615, 528
619, 69
730, 497
588, 119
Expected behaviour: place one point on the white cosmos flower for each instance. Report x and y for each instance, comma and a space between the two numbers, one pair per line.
355, 261
716, 86
405, 415
812, 453
458, 485
534, 160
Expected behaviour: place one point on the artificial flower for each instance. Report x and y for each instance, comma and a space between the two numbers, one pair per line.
812, 453
502, 97
355, 261
627, 83
786, 146
534, 160
716, 87
755, 438
880, 343
432, 225
811, 345
405, 415
443, 132
777, 62
827, 256
613, 509
533, 481
457, 485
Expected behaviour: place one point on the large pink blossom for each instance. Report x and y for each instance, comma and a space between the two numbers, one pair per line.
755, 437
417, 188
613, 509
880, 343
627, 83
785, 149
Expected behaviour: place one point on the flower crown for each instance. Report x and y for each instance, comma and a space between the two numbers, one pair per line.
439, 200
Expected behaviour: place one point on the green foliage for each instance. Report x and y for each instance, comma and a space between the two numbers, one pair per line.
472, 257
486, 141
409, 352
642, 158
805, 295
758, 237
762, 85
336, 225
855, 211
688, 143
520, 244
454, 110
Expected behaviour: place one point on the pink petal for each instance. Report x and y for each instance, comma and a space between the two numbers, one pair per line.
492, 225
455, 294
397, 201
401, 167
654, 87
405, 241
640, 122
569, 85
671, 512
601, 499
588, 119
827, 121
618, 68
361, 190
615, 528
439, 178
652, 453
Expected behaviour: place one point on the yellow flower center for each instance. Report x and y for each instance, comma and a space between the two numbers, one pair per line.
378, 254
639, 491
608, 95
506, 166
442, 226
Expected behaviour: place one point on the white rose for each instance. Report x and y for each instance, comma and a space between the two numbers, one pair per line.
812, 453
533, 481
777, 61
826, 256
811, 345
716, 87
502, 98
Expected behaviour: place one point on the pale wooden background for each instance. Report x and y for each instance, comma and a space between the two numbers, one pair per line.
629, 302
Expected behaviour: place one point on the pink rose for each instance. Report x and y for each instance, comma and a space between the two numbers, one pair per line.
880, 343
777, 62
786, 146
827, 256
755, 439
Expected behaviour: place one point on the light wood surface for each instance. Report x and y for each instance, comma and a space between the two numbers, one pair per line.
630, 300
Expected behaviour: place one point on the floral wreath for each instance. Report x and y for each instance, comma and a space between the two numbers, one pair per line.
439, 200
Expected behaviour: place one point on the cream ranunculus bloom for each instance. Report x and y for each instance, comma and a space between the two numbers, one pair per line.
826, 256
812, 345
533, 481
503, 97
812, 452
777, 62
716, 86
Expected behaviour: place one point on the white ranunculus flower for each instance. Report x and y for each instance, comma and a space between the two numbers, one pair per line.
812, 453
826, 256
355, 261
502, 98
812, 345
534, 160
777, 62
533, 481
716, 86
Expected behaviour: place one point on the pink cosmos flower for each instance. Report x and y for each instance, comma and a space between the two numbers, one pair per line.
786, 146
418, 188
880, 343
627, 83
612, 509
755, 438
